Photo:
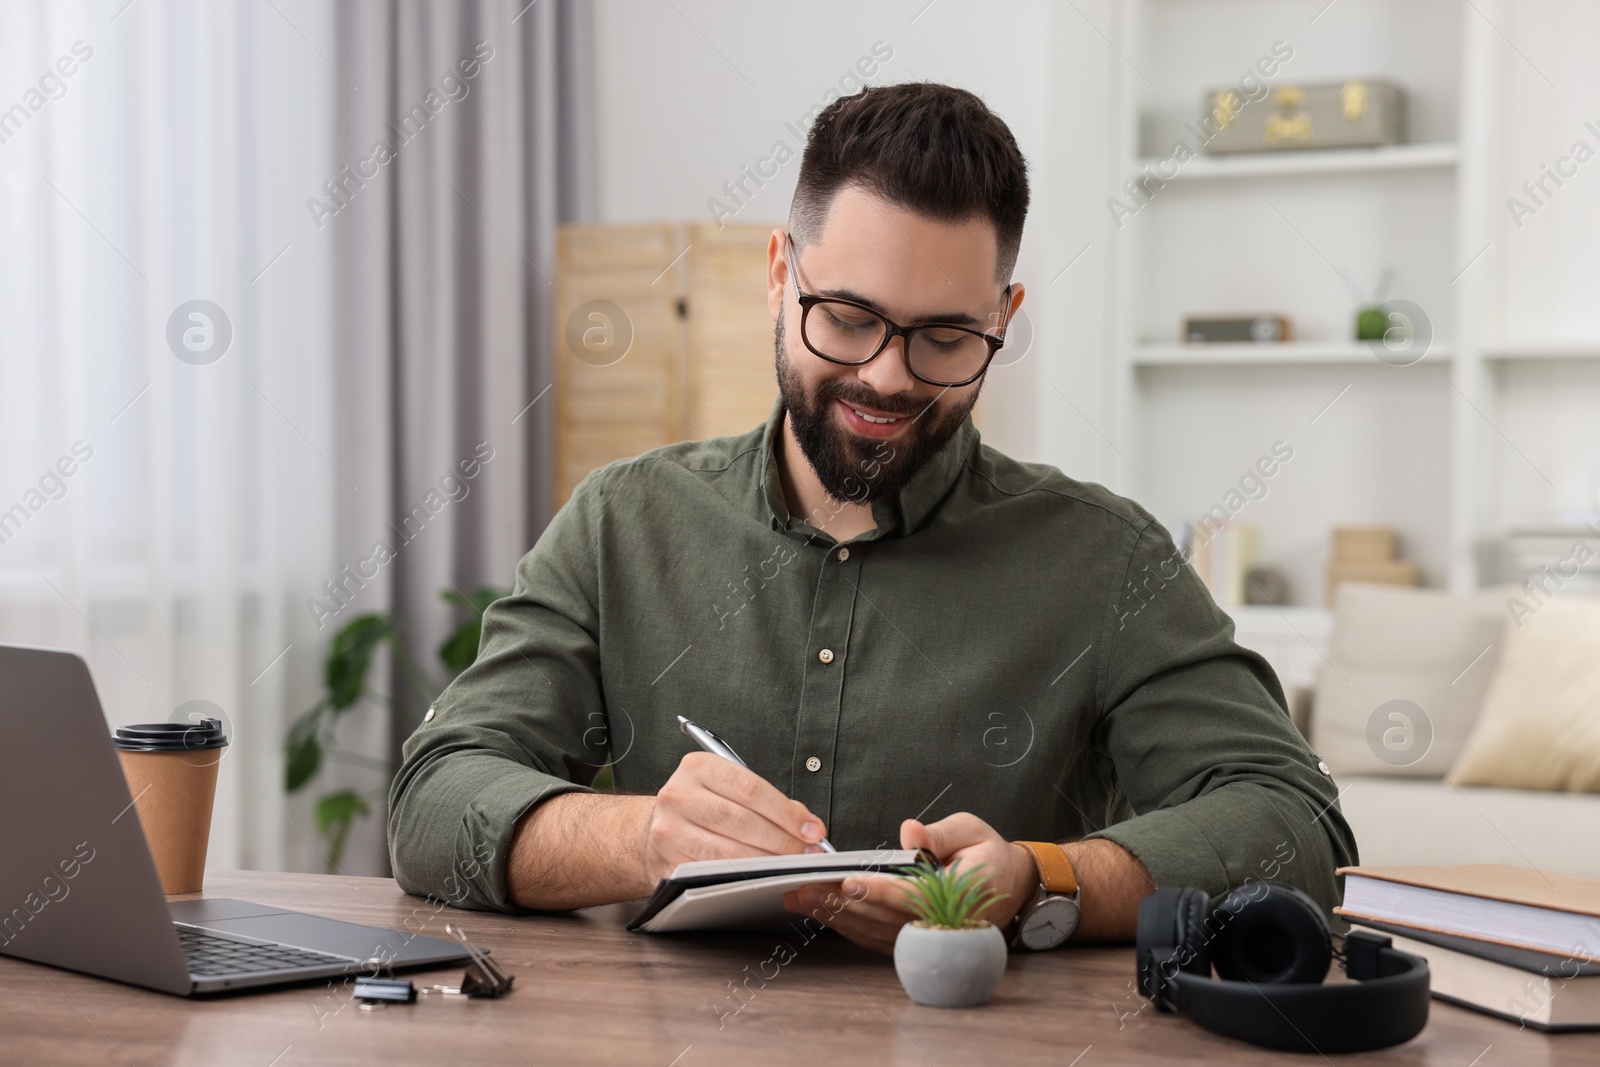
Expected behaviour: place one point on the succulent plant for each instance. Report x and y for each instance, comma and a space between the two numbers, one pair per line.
948, 898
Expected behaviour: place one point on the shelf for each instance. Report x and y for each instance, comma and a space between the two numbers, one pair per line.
1294, 353
1513, 350
1289, 619
1313, 161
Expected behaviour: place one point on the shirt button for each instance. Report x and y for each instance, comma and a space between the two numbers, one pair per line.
844, 554
1323, 767
813, 764
826, 655
429, 716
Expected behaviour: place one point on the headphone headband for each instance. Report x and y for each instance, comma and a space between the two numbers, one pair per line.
1179, 937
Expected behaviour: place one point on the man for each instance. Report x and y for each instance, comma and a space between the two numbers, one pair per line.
888, 620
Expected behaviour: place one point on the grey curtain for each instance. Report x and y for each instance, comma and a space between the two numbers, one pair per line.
464, 137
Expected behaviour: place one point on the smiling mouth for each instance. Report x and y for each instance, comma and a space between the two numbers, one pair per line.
867, 416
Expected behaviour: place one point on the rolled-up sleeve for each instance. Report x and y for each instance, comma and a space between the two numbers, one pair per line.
516, 728
1224, 788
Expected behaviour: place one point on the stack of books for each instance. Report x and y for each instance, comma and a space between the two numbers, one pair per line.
1221, 553
1368, 554
1509, 941
1555, 553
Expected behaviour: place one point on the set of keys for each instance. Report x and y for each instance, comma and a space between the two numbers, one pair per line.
483, 978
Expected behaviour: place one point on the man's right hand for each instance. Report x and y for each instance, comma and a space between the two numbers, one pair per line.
712, 808
576, 850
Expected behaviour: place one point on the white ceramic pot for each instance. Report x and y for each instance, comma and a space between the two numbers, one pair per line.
950, 968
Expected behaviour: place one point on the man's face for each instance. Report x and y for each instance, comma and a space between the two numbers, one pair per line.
912, 270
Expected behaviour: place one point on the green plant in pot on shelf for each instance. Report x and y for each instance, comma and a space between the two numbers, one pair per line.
1372, 318
949, 957
311, 738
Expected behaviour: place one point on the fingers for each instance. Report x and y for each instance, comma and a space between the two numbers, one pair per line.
882, 904
947, 836
867, 933
712, 808
757, 806
869, 914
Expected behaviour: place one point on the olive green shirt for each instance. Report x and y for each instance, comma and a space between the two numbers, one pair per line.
1007, 642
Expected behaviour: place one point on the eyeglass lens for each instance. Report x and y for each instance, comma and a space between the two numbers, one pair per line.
851, 335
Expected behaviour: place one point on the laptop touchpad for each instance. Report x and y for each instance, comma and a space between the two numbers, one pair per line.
310, 931
314, 932
210, 909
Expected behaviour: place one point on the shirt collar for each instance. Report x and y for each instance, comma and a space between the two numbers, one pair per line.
896, 516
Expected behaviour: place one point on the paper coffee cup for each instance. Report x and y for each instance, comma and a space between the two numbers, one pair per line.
172, 775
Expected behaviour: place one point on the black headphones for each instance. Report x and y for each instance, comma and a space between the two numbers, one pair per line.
1271, 946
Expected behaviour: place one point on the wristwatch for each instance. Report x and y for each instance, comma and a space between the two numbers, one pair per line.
1051, 916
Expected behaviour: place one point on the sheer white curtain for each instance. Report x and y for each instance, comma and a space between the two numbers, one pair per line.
166, 506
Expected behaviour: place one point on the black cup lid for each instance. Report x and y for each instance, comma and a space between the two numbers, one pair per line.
171, 736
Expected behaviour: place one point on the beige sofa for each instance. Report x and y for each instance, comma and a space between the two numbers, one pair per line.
1400, 684
1406, 821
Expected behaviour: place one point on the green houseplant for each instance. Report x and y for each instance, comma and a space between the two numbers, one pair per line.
949, 957
311, 739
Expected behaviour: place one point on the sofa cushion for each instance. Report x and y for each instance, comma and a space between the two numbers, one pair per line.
1540, 727
1404, 678
1402, 822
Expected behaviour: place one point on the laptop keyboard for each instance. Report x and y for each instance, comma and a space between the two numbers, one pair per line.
212, 956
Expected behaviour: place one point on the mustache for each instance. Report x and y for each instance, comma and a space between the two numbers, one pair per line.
869, 399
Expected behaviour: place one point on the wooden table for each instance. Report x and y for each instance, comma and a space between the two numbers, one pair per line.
589, 992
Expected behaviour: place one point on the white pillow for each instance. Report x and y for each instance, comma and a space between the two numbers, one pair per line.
1540, 727
1404, 679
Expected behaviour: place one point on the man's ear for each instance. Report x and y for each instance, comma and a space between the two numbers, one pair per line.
1008, 308
777, 272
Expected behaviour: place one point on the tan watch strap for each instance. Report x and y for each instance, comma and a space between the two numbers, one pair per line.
1055, 869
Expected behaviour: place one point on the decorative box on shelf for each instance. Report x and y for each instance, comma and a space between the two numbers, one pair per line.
1351, 114
1236, 329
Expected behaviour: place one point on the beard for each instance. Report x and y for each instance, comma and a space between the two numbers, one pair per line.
851, 468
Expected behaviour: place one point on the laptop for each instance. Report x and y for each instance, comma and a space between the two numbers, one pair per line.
79, 890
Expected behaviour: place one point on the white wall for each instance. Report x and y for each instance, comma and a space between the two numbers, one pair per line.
689, 92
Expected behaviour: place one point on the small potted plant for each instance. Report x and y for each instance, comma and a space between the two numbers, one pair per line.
948, 957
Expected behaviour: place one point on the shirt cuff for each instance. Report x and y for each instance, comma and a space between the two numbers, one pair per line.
483, 846
1173, 849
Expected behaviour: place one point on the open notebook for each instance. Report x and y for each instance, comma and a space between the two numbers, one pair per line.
747, 894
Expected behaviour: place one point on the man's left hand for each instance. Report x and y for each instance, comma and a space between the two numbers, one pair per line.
870, 909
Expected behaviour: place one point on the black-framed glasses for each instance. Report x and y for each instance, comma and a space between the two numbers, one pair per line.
938, 353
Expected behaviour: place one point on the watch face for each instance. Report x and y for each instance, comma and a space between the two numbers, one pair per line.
1049, 924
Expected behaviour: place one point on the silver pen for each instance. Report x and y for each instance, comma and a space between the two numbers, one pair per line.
718, 747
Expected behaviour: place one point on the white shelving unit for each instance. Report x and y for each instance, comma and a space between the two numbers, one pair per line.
1292, 353
1294, 640
1540, 350
1333, 161
1445, 449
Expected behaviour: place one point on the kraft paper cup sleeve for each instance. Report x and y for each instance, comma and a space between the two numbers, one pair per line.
173, 792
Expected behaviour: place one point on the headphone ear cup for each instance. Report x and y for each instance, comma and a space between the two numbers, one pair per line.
1155, 932
1194, 941
1167, 919
1272, 933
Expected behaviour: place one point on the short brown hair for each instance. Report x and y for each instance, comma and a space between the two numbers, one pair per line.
932, 149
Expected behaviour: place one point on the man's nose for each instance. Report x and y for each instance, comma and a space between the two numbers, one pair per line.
887, 375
